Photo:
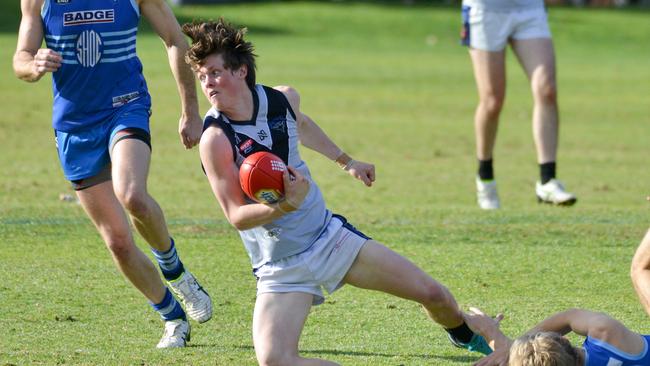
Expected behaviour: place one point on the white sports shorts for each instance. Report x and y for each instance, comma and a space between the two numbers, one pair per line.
323, 265
491, 30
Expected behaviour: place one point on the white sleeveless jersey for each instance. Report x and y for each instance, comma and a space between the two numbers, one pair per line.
273, 128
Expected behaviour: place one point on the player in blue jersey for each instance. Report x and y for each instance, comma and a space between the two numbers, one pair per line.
608, 342
297, 247
101, 120
488, 27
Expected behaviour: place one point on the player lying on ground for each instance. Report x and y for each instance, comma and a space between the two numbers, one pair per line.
607, 343
296, 246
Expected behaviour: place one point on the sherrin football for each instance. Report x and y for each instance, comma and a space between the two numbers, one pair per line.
260, 176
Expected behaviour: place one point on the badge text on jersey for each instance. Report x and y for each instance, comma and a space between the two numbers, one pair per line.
89, 17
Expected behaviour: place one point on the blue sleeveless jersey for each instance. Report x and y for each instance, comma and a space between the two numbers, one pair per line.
600, 353
100, 71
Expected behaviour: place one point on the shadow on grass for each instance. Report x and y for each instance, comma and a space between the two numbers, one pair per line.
319, 353
461, 359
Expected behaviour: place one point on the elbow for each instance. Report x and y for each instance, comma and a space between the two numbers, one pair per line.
240, 224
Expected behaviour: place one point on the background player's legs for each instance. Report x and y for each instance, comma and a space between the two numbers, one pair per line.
537, 57
489, 73
641, 272
131, 158
107, 214
379, 268
278, 321
490, 76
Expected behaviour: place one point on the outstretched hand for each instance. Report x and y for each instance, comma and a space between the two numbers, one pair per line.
488, 327
480, 322
365, 172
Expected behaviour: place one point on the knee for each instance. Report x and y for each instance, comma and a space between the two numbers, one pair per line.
134, 201
436, 295
120, 245
545, 90
492, 105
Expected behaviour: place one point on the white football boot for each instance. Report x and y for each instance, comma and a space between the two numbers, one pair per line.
553, 192
197, 302
486, 194
177, 334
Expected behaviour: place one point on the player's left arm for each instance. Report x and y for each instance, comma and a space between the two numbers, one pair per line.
164, 22
313, 137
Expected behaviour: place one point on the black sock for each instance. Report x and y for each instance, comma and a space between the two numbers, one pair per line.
461, 333
485, 170
547, 171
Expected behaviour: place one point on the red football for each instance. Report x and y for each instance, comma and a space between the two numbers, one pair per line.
260, 176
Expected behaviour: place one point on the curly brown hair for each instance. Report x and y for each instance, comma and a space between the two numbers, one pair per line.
220, 38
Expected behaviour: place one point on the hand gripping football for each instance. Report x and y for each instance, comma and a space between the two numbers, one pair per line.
260, 176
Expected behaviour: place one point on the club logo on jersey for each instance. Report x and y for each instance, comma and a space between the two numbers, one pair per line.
262, 135
88, 17
89, 48
246, 147
273, 234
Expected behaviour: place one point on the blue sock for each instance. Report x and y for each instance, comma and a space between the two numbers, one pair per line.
170, 265
169, 308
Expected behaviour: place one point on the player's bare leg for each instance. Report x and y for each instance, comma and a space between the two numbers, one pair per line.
640, 272
278, 321
107, 214
537, 57
379, 268
131, 158
490, 76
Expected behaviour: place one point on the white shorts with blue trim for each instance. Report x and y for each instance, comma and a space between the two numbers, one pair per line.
491, 30
323, 265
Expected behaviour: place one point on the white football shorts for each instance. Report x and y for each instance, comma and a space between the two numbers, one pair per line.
491, 30
323, 265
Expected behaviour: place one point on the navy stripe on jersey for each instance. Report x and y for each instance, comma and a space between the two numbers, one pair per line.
274, 105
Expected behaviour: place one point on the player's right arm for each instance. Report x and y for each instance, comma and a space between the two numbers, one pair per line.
222, 173
595, 325
30, 61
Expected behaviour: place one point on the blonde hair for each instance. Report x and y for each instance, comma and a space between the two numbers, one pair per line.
542, 349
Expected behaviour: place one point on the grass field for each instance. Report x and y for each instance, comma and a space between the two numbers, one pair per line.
391, 85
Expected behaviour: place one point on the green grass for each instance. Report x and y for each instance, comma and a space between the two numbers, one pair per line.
390, 84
